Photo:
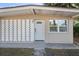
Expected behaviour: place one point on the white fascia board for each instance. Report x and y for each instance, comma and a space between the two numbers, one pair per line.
42, 8
39, 7
75, 16
14, 9
55, 9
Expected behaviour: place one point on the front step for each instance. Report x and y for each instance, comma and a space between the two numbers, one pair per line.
39, 49
39, 44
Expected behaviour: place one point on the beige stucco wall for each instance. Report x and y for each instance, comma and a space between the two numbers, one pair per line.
49, 37
60, 37
31, 16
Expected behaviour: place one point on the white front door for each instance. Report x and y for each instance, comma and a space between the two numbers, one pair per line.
39, 30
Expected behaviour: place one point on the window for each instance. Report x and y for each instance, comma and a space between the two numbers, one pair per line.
52, 26
58, 25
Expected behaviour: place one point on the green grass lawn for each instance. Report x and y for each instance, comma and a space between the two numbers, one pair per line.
62, 52
29, 52
16, 51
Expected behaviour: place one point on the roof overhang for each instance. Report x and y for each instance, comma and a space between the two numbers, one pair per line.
39, 10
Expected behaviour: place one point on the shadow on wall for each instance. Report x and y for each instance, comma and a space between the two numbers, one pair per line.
76, 32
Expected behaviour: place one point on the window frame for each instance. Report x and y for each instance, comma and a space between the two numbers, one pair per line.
58, 26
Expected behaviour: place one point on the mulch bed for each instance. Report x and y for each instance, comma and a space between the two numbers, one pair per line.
16, 51
76, 39
62, 52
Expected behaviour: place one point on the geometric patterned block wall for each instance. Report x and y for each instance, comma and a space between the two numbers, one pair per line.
20, 30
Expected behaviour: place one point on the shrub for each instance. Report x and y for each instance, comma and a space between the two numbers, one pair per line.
76, 29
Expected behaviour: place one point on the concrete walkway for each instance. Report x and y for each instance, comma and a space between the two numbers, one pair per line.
39, 52
39, 49
39, 46
62, 46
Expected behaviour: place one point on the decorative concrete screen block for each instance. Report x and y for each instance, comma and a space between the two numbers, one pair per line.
27, 30
20, 30
3, 30
32, 30
15, 30
23, 30
7, 30
11, 30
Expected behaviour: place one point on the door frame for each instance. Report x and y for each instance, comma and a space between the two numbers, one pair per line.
43, 29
